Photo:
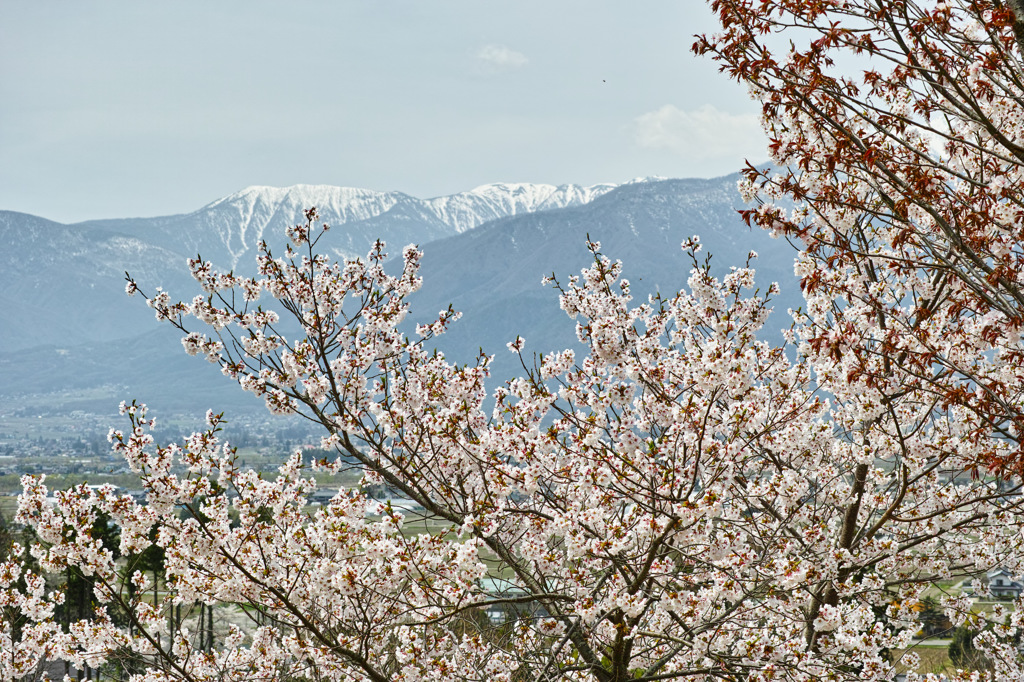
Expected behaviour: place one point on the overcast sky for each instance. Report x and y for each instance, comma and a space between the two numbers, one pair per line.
116, 108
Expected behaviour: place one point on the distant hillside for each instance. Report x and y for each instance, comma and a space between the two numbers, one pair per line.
63, 285
65, 323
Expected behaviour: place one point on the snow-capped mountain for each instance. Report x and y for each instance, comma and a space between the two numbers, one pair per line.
228, 231
467, 210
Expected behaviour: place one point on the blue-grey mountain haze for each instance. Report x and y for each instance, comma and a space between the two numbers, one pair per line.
66, 324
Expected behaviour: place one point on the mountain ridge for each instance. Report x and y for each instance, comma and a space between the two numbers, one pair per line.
229, 229
62, 302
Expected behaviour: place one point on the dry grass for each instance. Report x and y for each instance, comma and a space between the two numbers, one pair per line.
933, 659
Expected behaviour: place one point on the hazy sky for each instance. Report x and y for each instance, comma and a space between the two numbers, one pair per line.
117, 108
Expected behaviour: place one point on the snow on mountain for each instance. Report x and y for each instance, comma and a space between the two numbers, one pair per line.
241, 220
467, 210
258, 205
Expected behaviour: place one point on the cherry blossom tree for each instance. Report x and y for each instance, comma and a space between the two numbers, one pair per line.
896, 129
684, 501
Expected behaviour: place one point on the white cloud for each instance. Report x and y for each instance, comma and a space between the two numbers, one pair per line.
701, 134
500, 58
